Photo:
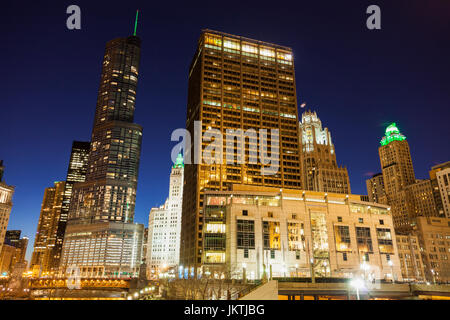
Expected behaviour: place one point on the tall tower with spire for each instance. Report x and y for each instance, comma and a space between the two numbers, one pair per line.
101, 210
320, 171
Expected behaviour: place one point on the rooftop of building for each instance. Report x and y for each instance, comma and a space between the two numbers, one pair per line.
441, 166
243, 189
273, 45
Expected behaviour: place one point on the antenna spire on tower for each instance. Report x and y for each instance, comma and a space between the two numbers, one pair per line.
135, 23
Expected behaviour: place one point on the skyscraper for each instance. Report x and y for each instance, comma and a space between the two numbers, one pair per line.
441, 188
375, 188
238, 83
320, 171
409, 198
443, 178
398, 173
395, 159
164, 224
13, 238
76, 172
101, 210
6, 194
46, 233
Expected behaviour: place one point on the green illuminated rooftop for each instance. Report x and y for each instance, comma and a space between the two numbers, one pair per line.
179, 162
392, 134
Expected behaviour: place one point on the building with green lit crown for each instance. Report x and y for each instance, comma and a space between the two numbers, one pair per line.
409, 198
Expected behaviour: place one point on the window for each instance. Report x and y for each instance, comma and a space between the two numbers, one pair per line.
271, 235
297, 254
272, 254
339, 219
270, 214
385, 240
246, 253
294, 216
245, 234
342, 235
360, 220
388, 257
344, 256
366, 257
363, 239
381, 222
245, 212
294, 236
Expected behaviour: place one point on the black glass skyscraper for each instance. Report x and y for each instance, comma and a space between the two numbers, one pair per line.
102, 208
76, 172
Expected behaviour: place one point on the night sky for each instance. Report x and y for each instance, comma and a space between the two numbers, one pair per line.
358, 80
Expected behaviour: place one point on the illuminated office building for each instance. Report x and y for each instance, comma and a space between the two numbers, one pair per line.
440, 182
163, 249
46, 233
6, 194
434, 239
320, 171
410, 257
420, 200
76, 172
257, 231
102, 207
13, 238
375, 188
238, 83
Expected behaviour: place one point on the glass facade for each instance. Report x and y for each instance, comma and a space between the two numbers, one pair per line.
108, 193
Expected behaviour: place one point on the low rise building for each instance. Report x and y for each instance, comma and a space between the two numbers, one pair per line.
254, 232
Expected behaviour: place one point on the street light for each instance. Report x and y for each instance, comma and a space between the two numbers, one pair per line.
358, 284
434, 279
391, 264
364, 266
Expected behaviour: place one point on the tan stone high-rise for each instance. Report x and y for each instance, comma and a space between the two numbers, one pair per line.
398, 173
441, 189
46, 233
434, 239
237, 83
395, 159
375, 188
320, 171
409, 198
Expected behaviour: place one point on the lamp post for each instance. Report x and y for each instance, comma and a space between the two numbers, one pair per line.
434, 278
357, 283
391, 264
364, 267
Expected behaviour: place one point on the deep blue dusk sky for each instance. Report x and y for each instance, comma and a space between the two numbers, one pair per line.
356, 79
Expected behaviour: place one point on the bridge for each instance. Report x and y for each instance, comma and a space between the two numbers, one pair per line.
85, 288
